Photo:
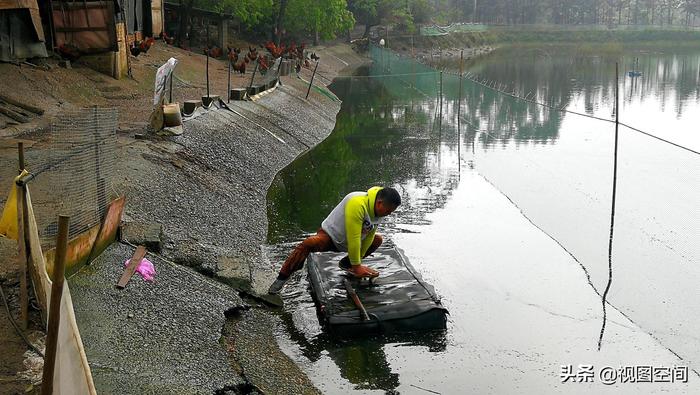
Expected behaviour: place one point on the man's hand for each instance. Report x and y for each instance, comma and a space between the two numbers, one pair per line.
363, 271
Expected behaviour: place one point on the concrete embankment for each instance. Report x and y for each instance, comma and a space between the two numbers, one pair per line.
207, 188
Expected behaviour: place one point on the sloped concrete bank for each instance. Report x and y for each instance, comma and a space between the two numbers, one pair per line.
207, 188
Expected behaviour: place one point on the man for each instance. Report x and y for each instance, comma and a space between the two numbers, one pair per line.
350, 227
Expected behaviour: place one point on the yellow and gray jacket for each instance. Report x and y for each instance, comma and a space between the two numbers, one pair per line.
352, 223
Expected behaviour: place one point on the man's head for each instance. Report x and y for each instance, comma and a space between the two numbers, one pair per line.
388, 199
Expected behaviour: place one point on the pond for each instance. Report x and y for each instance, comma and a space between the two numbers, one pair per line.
507, 212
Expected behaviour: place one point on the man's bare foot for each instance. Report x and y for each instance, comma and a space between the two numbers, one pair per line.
363, 271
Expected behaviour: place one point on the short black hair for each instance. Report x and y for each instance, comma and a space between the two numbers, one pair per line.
389, 195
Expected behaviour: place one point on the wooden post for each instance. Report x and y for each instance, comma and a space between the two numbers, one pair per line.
55, 305
131, 267
22, 247
312, 80
20, 150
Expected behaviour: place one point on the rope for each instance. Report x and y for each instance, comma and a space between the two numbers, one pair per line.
660, 139
14, 324
612, 211
386, 75
492, 86
582, 114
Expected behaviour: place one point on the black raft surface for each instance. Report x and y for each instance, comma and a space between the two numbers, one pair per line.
396, 301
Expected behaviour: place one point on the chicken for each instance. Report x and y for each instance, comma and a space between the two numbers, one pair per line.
252, 53
233, 54
262, 64
135, 50
68, 51
275, 51
141, 46
167, 39
314, 57
147, 44
216, 52
239, 67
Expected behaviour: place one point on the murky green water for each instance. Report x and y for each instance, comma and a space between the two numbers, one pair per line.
507, 213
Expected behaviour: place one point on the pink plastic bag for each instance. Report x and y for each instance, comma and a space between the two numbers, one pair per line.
145, 268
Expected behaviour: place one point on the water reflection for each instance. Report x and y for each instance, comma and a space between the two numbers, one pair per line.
555, 166
362, 362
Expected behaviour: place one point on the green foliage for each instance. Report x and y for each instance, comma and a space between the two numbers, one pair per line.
250, 13
421, 10
327, 17
402, 21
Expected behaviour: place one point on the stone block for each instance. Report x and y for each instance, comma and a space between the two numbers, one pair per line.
149, 234
237, 94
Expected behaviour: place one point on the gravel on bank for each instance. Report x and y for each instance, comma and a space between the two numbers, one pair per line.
207, 188
160, 337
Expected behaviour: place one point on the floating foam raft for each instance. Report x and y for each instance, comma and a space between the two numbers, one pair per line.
396, 301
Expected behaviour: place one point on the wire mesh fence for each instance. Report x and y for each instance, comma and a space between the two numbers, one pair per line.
75, 177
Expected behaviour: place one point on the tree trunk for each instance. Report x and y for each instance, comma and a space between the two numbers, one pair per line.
280, 19
184, 13
619, 12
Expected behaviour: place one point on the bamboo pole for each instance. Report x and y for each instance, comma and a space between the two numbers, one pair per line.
55, 306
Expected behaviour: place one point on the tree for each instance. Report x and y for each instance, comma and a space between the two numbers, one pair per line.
365, 11
324, 19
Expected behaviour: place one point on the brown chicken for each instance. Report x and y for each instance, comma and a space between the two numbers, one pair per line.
68, 51
262, 64
142, 46
239, 67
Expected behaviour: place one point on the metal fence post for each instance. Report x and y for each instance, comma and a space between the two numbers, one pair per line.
461, 70
312, 80
207, 70
228, 84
